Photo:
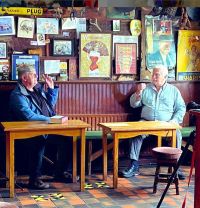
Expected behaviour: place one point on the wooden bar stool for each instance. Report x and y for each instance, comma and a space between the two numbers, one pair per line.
166, 157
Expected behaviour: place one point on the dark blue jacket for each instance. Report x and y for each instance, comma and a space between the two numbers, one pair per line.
24, 108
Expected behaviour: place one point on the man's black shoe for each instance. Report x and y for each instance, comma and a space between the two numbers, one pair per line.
38, 184
181, 175
133, 171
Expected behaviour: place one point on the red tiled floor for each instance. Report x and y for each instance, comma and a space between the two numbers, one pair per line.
131, 193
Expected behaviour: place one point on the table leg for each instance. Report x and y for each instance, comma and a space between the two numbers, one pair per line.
74, 171
174, 138
115, 156
105, 156
159, 141
7, 158
82, 175
10, 163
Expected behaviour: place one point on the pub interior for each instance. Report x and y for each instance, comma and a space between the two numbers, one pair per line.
97, 52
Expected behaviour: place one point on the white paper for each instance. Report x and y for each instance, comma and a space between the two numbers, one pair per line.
81, 26
69, 23
51, 66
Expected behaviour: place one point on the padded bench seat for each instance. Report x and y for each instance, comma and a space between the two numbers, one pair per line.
95, 135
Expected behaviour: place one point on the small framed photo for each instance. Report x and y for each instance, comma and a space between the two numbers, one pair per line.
125, 58
63, 47
19, 60
3, 50
48, 26
116, 25
7, 25
4, 69
25, 27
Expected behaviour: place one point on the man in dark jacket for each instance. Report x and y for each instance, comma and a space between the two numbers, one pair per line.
30, 102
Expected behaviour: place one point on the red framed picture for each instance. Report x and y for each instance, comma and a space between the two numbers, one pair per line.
125, 58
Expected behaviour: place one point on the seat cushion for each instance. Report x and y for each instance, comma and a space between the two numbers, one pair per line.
166, 152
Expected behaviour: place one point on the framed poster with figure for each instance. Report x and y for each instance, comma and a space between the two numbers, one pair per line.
125, 58
95, 55
188, 57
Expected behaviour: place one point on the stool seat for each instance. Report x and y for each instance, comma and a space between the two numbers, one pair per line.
169, 153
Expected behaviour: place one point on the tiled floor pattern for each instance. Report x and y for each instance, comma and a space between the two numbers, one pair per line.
135, 192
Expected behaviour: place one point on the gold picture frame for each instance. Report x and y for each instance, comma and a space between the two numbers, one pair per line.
95, 55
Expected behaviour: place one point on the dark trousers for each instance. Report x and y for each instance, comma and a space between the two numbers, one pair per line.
36, 148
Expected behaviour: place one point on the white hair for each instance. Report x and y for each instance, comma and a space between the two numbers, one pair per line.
163, 69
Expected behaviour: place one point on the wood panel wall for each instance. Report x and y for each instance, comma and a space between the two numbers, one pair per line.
98, 101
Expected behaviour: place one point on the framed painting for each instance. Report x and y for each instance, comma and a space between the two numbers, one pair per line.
160, 47
7, 25
125, 58
3, 50
95, 55
63, 47
188, 56
47, 26
18, 60
25, 27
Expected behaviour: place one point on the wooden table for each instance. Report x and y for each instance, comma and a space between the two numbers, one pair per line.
196, 113
26, 130
125, 130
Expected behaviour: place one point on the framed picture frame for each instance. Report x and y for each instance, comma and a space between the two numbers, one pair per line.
23, 59
7, 25
3, 50
48, 26
188, 56
63, 47
25, 27
95, 55
4, 69
125, 58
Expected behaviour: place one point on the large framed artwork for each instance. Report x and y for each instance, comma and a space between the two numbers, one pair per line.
188, 57
95, 55
160, 46
125, 58
19, 60
7, 25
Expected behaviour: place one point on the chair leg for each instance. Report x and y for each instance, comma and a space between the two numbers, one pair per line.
89, 156
156, 179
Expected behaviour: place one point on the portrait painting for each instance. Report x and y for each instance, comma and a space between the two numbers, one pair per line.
25, 27
160, 49
95, 55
